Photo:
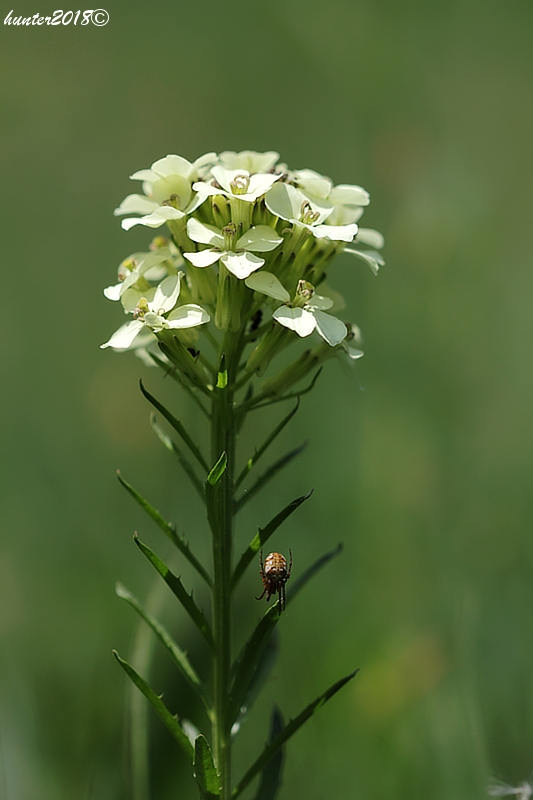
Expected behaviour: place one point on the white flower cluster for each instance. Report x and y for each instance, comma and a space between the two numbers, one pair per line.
250, 240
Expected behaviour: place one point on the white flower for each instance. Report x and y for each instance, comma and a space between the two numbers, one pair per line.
239, 184
149, 315
134, 274
235, 255
306, 313
345, 200
167, 191
288, 202
249, 160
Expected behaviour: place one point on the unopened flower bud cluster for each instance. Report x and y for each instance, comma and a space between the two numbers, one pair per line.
248, 245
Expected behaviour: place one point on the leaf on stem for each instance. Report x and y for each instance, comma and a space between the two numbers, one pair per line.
173, 448
249, 659
218, 470
268, 475
250, 464
176, 653
168, 529
177, 425
262, 673
289, 729
176, 586
263, 535
175, 375
264, 400
222, 375
205, 772
170, 720
270, 783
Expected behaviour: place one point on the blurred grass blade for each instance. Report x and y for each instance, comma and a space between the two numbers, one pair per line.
176, 653
268, 475
250, 464
263, 535
270, 783
176, 586
262, 673
289, 729
168, 529
173, 448
218, 470
177, 425
170, 720
205, 771
249, 659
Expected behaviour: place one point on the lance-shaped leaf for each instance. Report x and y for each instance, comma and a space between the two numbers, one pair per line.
218, 470
262, 673
178, 427
178, 656
168, 529
248, 660
265, 399
170, 720
175, 375
270, 782
263, 535
175, 584
250, 464
173, 448
289, 729
207, 778
268, 475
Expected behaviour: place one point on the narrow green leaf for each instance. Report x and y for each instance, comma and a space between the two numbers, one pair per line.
270, 783
168, 529
222, 375
261, 675
170, 720
250, 464
262, 401
249, 659
205, 772
175, 375
178, 427
176, 653
263, 535
173, 448
218, 470
176, 586
268, 475
287, 732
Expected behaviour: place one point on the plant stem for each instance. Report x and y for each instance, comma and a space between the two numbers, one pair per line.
221, 517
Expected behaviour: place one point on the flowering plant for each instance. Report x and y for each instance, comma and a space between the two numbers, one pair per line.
241, 278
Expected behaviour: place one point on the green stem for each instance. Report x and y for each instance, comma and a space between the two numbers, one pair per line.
221, 517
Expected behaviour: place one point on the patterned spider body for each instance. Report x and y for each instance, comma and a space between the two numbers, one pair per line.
275, 574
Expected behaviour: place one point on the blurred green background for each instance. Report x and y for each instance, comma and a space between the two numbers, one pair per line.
421, 461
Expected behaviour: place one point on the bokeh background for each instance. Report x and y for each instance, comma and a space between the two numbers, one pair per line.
420, 460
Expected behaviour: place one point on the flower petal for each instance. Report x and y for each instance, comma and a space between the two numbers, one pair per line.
125, 335
267, 283
135, 204
373, 259
320, 302
370, 237
204, 234
337, 233
260, 239
333, 330
113, 292
188, 316
242, 264
204, 258
296, 319
346, 195
154, 220
285, 201
166, 294
249, 160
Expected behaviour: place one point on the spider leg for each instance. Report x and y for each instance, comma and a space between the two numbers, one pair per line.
262, 595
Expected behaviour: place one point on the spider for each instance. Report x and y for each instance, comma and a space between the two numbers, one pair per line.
274, 574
